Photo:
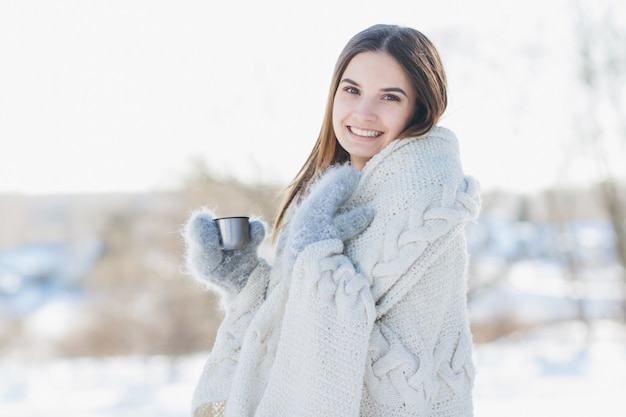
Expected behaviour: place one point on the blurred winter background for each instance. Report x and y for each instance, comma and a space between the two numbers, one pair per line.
119, 117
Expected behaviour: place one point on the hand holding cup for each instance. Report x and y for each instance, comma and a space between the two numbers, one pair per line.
223, 251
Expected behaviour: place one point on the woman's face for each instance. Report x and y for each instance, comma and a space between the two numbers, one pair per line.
373, 105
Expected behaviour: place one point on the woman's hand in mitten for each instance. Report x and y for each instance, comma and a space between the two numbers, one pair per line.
208, 262
318, 217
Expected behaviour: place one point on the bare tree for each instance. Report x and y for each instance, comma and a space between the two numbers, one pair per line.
601, 44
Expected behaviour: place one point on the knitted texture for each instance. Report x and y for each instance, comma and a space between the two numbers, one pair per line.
215, 409
373, 326
225, 271
414, 254
217, 375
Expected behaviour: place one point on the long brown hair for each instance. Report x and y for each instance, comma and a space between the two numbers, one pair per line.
421, 61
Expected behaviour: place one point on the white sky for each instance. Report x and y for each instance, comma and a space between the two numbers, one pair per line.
110, 95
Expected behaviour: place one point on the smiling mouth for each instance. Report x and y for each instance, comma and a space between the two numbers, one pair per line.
365, 133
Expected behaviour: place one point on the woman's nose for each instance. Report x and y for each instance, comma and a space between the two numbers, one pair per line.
365, 110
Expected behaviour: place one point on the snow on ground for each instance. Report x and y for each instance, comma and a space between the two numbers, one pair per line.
561, 370
92, 387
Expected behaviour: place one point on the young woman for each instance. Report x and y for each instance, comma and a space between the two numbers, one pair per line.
363, 312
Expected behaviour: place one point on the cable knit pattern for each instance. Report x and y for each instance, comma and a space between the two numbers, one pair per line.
420, 360
223, 360
374, 326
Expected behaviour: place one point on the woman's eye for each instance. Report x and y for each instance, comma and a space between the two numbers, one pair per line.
351, 90
391, 97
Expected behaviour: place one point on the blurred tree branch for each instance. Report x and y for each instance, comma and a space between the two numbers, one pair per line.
601, 43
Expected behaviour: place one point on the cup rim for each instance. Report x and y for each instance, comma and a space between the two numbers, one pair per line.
232, 217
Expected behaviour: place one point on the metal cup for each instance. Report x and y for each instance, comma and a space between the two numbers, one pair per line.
234, 232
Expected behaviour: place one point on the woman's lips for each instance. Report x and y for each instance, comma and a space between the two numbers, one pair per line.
367, 133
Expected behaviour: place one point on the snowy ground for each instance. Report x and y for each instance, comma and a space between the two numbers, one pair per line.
556, 371
562, 370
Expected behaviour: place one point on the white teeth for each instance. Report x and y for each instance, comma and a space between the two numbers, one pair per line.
366, 133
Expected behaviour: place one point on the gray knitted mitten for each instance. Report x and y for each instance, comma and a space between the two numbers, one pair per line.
228, 270
318, 217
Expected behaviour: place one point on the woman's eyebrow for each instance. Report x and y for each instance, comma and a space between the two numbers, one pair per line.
386, 90
349, 81
395, 90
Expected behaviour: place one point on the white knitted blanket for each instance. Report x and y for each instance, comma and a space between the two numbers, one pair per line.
373, 327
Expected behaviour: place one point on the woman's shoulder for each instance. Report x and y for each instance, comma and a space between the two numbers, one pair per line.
428, 159
416, 173
440, 142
